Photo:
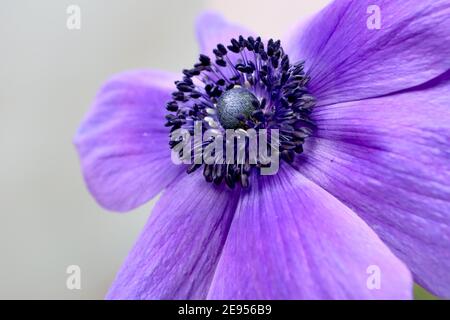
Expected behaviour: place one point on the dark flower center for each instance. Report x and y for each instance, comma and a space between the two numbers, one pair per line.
236, 106
249, 85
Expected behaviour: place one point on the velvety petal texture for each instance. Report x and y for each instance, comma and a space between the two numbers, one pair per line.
389, 160
177, 252
348, 61
290, 239
212, 29
123, 144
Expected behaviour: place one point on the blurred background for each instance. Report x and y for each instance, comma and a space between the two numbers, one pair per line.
48, 77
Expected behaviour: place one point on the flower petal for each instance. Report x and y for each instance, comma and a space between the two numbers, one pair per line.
212, 29
176, 254
123, 144
290, 239
347, 61
389, 160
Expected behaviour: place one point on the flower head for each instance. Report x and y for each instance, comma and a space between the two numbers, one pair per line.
360, 206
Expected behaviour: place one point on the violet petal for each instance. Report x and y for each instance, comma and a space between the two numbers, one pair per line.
348, 61
177, 252
389, 159
122, 142
290, 239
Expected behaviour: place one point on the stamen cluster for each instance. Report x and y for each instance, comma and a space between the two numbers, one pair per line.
279, 100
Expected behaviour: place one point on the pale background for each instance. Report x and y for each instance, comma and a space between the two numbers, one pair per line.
48, 77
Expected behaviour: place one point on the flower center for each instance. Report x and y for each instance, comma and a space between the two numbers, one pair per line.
235, 106
245, 86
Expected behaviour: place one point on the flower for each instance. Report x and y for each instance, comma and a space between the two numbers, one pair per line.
363, 197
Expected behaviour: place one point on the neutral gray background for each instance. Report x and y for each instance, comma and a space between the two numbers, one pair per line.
48, 77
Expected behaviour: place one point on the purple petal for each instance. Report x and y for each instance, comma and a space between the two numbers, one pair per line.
347, 61
389, 160
290, 239
213, 29
123, 144
177, 252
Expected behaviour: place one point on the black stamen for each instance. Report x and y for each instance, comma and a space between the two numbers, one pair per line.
247, 84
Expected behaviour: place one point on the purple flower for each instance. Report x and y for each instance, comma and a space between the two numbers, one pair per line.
364, 193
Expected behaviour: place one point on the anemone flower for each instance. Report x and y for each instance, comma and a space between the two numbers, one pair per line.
363, 186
